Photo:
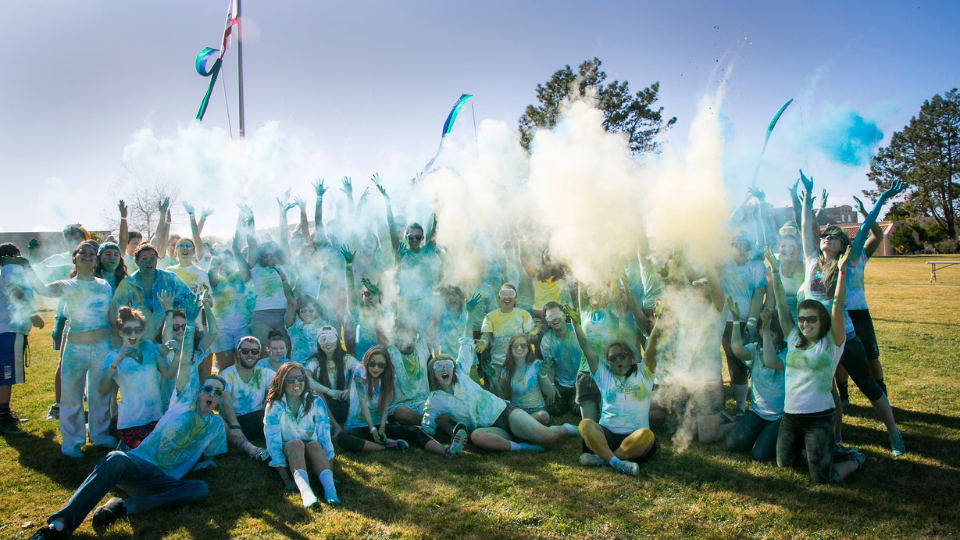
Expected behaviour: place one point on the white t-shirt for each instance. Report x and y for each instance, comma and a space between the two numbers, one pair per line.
141, 400
358, 392
410, 372
87, 303
15, 314
808, 377
698, 358
418, 274
740, 283
814, 288
193, 276
767, 388
526, 387
247, 397
267, 287
625, 401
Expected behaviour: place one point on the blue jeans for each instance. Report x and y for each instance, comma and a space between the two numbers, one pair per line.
146, 484
756, 435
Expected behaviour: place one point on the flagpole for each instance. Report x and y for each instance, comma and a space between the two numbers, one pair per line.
240, 65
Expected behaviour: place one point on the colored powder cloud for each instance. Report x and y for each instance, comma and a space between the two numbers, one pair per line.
847, 137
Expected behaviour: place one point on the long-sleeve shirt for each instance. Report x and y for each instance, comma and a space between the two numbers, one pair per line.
469, 403
309, 423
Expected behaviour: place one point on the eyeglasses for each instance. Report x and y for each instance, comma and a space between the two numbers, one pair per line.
246, 350
807, 320
294, 379
377, 365
618, 357
132, 331
213, 390
520, 346
179, 327
415, 237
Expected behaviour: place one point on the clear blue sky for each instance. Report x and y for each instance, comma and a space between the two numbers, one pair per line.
367, 85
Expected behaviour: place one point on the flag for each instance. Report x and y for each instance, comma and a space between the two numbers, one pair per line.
201, 61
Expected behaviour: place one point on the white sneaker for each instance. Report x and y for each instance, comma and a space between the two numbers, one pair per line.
628, 468
591, 460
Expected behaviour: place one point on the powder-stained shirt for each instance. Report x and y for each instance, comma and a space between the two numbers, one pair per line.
267, 287
181, 436
247, 397
808, 377
813, 287
193, 276
87, 302
469, 403
232, 301
625, 401
358, 392
504, 326
526, 387
740, 282
856, 294
411, 381
767, 388
130, 293
699, 358
418, 274
282, 425
450, 329
141, 401
562, 355
303, 338
15, 313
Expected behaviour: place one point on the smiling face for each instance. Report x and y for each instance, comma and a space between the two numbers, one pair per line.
414, 238
308, 313
295, 383
809, 322
789, 249
179, 327
110, 258
278, 349
248, 352
831, 245
375, 366
131, 332
147, 260
619, 360
555, 318
520, 347
185, 251
86, 257
507, 298
207, 398
443, 369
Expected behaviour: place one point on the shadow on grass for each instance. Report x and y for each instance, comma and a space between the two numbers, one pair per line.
41, 453
915, 322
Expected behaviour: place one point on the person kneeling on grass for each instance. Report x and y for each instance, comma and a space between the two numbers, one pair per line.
297, 428
247, 384
756, 431
625, 390
495, 423
371, 401
150, 474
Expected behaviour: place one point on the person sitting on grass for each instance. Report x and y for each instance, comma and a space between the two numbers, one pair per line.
247, 384
151, 473
625, 390
277, 349
756, 431
494, 422
371, 400
522, 380
815, 343
297, 428
136, 366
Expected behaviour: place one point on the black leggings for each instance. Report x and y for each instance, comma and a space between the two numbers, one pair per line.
352, 440
854, 360
811, 432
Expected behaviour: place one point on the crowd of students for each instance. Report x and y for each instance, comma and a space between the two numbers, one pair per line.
292, 347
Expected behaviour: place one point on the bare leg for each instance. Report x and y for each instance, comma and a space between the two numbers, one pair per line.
542, 416
491, 438
710, 429
636, 445
593, 437
316, 455
294, 452
408, 416
260, 331
525, 427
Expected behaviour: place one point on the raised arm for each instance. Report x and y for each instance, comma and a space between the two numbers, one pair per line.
391, 223
876, 233
242, 266
284, 229
53, 290
318, 233
124, 230
736, 340
162, 234
650, 350
212, 329
634, 307
352, 298
714, 287
806, 223
795, 202
184, 355
856, 247
838, 326
593, 361
770, 358
786, 317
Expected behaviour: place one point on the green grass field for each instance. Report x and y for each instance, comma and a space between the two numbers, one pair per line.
704, 492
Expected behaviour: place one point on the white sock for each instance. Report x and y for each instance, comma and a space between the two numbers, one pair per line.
329, 487
614, 462
303, 484
572, 429
740, 394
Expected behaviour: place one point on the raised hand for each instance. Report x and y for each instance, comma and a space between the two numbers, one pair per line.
191, 308
206, 212
734, 309
860, 207
33, 244
823, 203
301, 203
473, 301
659, 309
374, 290
895, 189
318, 187
765, 319
793, 189
757, 193
188, 207
842, 261
347, 254
347, 185
376, 182
574, 316
163, 205
165, 298
363, 197
402, 249
245, 209
480, 346
279, 273
807, 182
771, 261
416, 179
123, 208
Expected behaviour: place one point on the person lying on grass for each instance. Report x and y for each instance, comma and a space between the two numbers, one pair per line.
151, 473
371, 401
297, 428
625, 390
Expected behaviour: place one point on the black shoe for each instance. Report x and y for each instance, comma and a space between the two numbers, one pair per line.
104, 516
8, 425
46, 533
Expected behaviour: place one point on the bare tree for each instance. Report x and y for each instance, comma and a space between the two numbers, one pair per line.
142, 191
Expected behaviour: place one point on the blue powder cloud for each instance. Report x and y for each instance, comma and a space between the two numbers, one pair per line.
848, 138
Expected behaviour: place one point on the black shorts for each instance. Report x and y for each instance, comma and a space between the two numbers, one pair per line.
863, 326
251, 424
587, 389
503, 421
614, 440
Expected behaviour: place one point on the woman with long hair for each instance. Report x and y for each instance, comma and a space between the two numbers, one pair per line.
372, 400
522, 381
333, 371
110, 264
297, 429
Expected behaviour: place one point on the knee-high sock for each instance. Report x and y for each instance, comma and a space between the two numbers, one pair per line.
303, 484
329, 486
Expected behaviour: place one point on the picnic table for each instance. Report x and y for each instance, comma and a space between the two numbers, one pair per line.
933, 267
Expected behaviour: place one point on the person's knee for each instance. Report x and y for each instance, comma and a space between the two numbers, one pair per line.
478, 438
762, 455
586, 424
293, 446
198, 491
313, 446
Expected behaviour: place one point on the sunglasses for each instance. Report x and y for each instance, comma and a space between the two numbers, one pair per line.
377, 365
246, 350
520, 346
294, 379
179, 327
213, 390
618, 357
415, 237
807, 320
836, 237
132, 331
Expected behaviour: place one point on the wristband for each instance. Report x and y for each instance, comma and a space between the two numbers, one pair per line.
123, 218
843, 273
283, 281
774, 270
235, 426
373, 430
113, 366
